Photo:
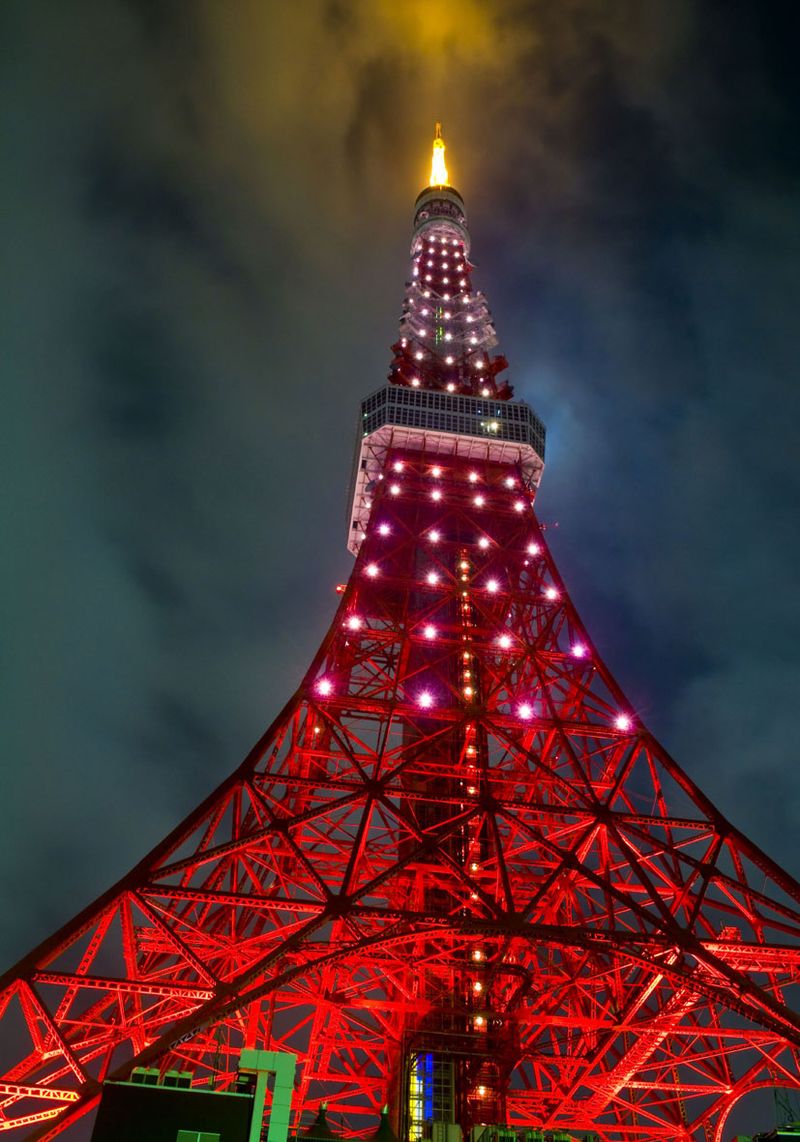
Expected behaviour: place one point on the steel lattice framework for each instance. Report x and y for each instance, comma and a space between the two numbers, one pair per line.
457, 844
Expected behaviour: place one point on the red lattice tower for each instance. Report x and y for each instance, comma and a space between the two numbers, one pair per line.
456, 874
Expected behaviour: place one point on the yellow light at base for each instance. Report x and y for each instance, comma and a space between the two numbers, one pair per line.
438, 169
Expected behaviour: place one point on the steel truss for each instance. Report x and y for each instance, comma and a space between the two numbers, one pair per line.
456, 837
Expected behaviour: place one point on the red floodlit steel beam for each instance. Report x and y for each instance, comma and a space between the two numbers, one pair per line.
457, 834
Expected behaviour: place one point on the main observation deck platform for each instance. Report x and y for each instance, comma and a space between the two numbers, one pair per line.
439, 423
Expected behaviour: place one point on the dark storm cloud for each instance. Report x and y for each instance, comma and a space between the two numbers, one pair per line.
207, 219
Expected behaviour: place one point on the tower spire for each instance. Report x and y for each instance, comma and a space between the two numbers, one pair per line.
446, 331
438, 168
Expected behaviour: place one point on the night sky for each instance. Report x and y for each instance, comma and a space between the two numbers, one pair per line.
206, 213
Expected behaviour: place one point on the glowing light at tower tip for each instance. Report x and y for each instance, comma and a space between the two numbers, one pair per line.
438, 168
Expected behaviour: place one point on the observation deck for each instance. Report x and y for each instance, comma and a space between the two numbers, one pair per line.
439, 423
